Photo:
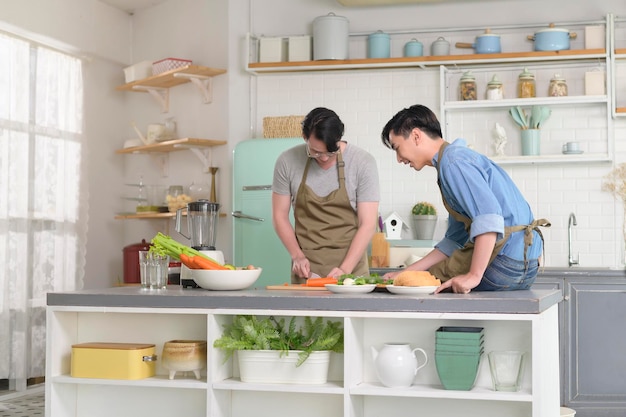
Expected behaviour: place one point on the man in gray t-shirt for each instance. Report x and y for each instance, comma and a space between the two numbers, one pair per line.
336, 208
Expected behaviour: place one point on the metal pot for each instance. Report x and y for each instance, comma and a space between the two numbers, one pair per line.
131, 261
552, 39
487, 43
330, 37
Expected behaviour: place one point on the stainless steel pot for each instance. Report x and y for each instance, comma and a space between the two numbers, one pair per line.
552, 39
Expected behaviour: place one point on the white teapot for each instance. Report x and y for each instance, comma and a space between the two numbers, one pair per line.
396, 364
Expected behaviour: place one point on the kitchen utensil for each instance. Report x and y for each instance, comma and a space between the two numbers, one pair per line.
225, 280
399, 289
519, 116
440, 47
201, 224
378, 45
413, 48
380, 251
132, 274
487, 43
141, 136
330, 37
552, 39
350, 289
294, 287
531, 141
396, 364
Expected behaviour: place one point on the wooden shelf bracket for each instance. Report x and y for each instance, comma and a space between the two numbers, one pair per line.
161, 95
203, 82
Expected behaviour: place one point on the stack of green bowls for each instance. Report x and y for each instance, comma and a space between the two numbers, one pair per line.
457, 356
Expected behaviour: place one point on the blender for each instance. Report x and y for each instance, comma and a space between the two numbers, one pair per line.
202, 228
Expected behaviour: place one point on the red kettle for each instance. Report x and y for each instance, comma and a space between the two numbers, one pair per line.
131, 261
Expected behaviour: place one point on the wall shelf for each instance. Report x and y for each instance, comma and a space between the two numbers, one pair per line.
173, 145
426, 61
158, 85
151, 216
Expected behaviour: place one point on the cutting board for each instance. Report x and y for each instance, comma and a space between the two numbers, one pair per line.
295, 287
380, 251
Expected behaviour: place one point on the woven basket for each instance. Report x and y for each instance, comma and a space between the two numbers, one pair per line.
282, 127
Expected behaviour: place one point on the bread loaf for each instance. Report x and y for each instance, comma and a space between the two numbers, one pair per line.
416, 279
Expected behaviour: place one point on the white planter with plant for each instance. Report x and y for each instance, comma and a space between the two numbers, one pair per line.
424, 220
269, 351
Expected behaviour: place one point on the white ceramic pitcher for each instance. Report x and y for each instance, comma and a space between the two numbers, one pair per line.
396, 364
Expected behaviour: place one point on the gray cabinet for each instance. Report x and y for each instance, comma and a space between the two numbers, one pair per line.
592, 332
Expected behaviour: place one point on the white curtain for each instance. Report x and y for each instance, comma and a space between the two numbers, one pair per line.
42, 198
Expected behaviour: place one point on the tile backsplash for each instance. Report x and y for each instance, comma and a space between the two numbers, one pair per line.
366, 99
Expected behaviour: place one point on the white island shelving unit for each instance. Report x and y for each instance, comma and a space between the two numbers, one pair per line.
517, 320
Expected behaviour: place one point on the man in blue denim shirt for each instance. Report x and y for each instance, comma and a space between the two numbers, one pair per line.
492, 242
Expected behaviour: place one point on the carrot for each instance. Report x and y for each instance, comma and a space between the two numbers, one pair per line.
186, 260
320, 282
203, 263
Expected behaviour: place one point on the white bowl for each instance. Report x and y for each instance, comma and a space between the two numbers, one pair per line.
225, 280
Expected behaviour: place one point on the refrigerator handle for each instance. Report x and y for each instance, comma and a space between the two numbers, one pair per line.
238, 214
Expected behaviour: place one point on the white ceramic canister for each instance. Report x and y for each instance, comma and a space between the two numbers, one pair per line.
378, 45
440, 47
330, 37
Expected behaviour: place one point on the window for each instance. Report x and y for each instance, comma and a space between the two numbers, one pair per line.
42, 206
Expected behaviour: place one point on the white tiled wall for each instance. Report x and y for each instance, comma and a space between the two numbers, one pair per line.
366, 100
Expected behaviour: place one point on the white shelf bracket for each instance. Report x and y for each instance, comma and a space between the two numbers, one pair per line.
203, 82
204, 155
161, 95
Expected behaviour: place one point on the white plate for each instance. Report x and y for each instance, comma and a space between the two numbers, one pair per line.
351, 289
572, 152
400, 289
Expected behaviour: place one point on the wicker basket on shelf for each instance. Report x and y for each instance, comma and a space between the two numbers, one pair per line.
282, 127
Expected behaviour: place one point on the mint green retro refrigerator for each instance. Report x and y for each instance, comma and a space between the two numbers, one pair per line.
254, 239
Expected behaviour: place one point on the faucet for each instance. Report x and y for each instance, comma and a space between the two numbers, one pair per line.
570, 223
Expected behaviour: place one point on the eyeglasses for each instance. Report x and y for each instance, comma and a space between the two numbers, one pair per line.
318, 155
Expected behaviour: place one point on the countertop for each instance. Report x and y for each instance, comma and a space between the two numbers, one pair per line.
553, 272
506, 302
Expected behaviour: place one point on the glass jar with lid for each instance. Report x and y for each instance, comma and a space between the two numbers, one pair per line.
558, 86
495, 90
526, 84
468, 86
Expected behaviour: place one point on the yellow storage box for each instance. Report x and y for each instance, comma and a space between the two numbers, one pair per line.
113, 360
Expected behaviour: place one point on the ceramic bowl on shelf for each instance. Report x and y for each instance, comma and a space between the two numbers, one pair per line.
225, 280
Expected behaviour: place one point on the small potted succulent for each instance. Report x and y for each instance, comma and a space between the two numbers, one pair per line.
424, 220
272, 351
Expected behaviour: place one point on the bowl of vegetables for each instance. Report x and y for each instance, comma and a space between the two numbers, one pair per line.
226, 279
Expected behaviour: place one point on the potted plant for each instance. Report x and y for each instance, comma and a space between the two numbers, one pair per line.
530, 126
271, 351
424, 220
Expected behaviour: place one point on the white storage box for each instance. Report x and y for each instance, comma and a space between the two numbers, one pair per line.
138, 71
594, 37
272, 367
272, 50
594, 83
299, 48
169, 64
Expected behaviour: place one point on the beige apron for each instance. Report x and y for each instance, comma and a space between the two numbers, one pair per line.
325, 226
460, 261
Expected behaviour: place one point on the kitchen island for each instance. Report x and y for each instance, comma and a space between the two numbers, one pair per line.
519, 320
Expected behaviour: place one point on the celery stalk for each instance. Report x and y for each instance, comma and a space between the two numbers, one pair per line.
168, 246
